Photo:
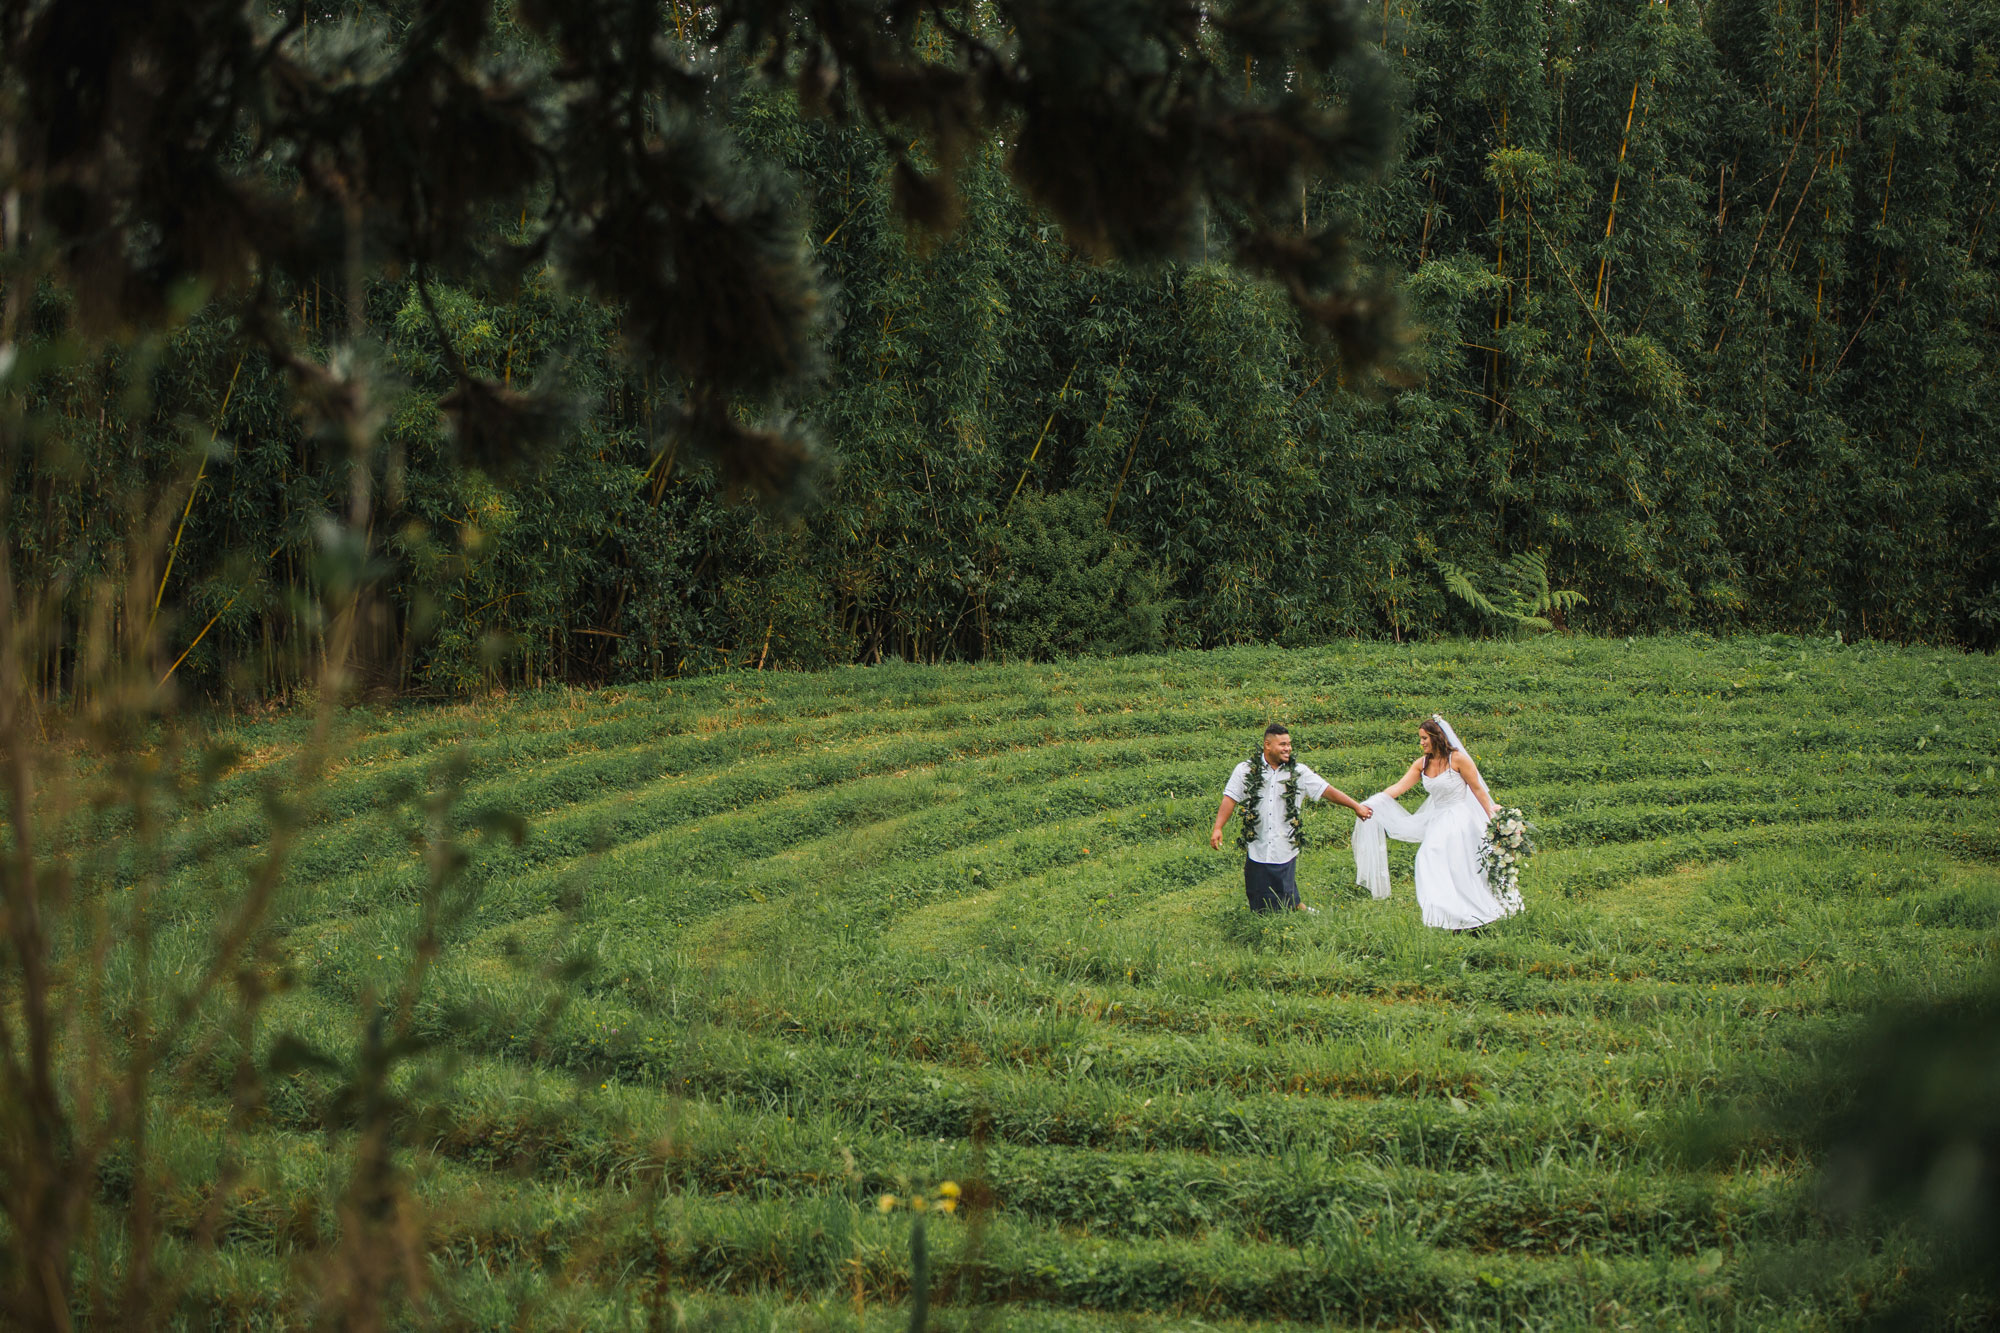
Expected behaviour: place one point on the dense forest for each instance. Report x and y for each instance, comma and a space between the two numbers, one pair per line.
1699, 318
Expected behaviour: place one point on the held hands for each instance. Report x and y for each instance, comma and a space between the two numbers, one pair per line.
1361, 811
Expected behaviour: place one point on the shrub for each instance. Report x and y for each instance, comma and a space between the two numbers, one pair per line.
1069, 586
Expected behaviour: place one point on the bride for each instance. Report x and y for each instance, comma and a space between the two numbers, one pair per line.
1451, 888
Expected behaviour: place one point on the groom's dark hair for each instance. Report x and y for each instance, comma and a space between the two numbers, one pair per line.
1276, 729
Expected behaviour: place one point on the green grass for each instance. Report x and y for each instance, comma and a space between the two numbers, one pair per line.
860, 932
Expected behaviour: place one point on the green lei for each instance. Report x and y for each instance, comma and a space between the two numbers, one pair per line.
1246, 832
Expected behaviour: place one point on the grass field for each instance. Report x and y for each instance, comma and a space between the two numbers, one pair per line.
860, 933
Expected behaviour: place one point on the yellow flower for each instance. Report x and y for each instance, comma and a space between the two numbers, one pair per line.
886, 1204
917, 1202
948, 1205
949, 1189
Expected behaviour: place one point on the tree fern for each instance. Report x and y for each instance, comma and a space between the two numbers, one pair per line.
1517, 592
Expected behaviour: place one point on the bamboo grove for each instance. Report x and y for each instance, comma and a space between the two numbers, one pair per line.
1699, 305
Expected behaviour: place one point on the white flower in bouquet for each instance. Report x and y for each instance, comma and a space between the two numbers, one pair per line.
1502, 848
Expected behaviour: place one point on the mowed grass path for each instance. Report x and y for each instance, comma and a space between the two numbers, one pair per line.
862, 932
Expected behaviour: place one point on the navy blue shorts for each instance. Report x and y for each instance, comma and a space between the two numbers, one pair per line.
1271, 888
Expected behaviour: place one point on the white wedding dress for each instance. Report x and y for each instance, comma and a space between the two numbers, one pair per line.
1451, 888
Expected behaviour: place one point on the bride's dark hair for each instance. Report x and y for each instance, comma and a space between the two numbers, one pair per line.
1440, 745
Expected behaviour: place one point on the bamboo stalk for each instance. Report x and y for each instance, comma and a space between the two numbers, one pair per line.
211, 623
1617, 180
1889, 179
1133, 453
882, 359
828, 238
1110, 397
197, 640
1826, 224
1500, 267
1590, 311
1769, 209
1866, 316
1985, 211
657, 474
175, 550
1810, 361
1044, 435
1803, 192
1424, 241
1303, 392
1611, 216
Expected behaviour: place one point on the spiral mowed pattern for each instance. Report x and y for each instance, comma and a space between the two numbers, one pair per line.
855, 934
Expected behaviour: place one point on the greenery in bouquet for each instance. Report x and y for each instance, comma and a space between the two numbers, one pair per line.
1507, 841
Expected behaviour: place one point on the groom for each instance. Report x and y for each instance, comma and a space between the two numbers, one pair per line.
1273, 798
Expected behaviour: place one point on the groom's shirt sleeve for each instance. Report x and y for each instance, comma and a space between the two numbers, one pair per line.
1238, 787
1311, 785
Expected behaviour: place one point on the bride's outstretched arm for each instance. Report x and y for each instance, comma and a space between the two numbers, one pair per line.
1408, 781
1470, 772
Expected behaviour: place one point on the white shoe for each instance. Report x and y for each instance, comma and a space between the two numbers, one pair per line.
1304, 908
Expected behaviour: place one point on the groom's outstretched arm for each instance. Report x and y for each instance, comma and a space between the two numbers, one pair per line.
1222, 814
1339, 797
1308, 780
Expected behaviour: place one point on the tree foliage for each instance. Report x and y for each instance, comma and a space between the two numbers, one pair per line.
332, 192
358, 341
1701, 314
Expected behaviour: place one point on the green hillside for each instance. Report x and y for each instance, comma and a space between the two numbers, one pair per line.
859, 933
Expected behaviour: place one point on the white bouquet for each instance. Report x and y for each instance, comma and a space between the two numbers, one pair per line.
1507, 841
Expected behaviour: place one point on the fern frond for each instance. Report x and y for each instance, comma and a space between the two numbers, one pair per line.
1529, 571
1521, 595
1459, 583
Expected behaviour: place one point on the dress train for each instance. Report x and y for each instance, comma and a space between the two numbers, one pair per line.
1451, 888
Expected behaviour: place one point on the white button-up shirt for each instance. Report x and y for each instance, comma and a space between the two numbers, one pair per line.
1274, 844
